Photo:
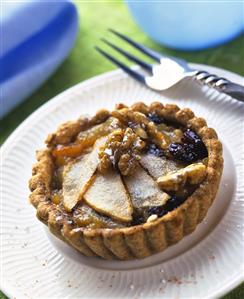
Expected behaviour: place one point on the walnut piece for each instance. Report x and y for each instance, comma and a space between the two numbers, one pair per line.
192, 174
135, 120
121, 151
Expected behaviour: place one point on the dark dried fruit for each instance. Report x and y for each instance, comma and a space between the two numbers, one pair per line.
191, 150
159, 210
174, 202
191, 137
202, 151
154, 150
171, 204
184, 152
155, 118
138, 220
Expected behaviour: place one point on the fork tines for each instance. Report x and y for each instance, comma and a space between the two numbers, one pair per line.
131, 57
136, 75
149, 52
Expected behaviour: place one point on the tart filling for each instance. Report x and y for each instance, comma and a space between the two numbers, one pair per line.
122, 169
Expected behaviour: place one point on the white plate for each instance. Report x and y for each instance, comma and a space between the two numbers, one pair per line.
206, 264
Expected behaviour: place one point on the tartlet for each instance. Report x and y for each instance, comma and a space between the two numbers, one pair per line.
127, 184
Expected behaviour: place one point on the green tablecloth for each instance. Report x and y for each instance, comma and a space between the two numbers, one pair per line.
84, 62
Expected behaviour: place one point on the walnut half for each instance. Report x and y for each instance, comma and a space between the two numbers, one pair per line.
192, 174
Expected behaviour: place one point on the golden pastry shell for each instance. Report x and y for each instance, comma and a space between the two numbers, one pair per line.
142, 240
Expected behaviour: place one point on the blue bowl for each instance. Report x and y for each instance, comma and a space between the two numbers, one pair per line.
38, 37
189, 25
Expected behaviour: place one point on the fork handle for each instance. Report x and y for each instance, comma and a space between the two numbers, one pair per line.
221, 84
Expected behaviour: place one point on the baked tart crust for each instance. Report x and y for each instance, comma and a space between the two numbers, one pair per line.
138, 241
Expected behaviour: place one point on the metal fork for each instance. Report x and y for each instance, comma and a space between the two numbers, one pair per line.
168, 71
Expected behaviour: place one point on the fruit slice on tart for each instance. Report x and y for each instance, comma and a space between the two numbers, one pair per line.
157, 166
78, 176
143, 190
109, 199
123, 182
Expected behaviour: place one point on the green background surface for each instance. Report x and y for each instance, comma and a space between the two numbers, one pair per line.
84, 62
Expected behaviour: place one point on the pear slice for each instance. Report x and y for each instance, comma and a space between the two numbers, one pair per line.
78, 176
143, 190
108, 196
158, 166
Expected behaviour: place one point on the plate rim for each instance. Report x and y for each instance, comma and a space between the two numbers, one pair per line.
238, 279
